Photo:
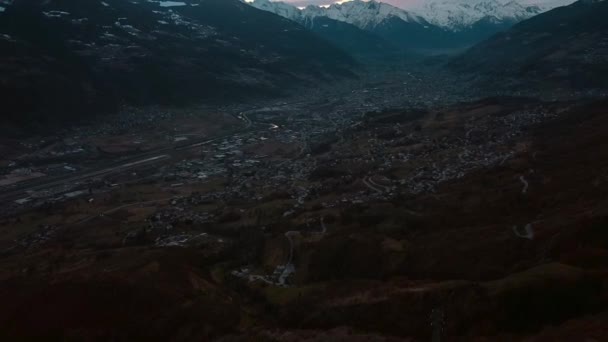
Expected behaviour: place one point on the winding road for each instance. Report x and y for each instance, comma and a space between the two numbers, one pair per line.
283, 271
289, 235
378, 188
523, 180
527, 234
323, 226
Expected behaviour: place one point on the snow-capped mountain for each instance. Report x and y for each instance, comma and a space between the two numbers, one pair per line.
454, 15
566, 47
278, 7
547, 5
459, 15
436, 25
374, 22
363, 14
345, 35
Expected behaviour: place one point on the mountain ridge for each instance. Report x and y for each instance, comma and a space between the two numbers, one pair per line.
458, 15
565, 47
440, 24
453, 15
67, 56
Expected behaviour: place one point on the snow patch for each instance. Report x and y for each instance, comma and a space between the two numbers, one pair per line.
56, 14
170, 3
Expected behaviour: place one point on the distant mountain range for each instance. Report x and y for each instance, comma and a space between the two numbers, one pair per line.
63, 58
341, 33
565, 47
460, 15
438, 25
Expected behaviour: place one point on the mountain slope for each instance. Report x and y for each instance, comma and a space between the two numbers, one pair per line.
363, 26
350, 38
345, 35
438, 25
567, 46
63, 58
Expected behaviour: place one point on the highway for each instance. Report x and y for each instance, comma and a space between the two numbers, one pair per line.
46, 183
119, 165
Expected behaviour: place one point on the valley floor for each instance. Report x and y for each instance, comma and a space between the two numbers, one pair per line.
386, 211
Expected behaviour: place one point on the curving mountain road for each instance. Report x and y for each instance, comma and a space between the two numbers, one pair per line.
323, 226
378, 188
371, 186
525, 183
527, 234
